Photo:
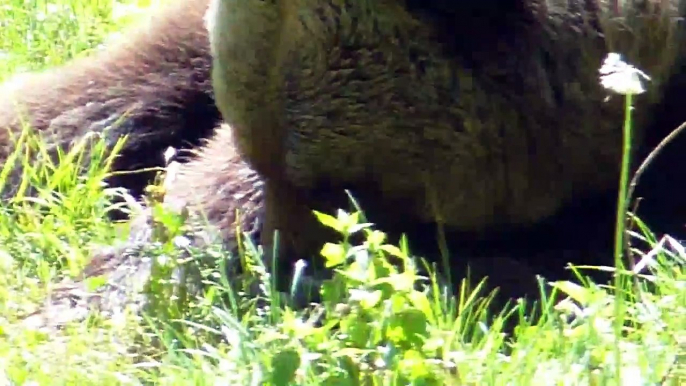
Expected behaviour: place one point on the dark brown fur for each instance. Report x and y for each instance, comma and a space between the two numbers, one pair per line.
154, 82
219, 186
485, 116
489, 122
238, 198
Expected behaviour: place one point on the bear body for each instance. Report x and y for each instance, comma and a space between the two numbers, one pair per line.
486, 117
152, 84
483, 120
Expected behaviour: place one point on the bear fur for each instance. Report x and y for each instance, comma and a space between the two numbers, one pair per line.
153, 84
484, 117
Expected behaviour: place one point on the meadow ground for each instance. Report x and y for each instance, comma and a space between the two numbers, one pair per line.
373, 327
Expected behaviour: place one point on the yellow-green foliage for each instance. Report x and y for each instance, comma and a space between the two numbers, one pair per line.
377, 324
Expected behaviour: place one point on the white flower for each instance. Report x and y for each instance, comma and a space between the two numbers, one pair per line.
182, 242
168, 154
620, 77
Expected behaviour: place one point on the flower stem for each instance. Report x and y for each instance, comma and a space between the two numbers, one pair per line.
620, 231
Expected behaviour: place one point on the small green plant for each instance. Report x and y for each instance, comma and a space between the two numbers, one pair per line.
57, 200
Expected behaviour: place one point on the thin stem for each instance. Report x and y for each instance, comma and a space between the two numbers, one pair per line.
623, 184
649, 159
619, 231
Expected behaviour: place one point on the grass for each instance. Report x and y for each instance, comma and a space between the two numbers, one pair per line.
374, 326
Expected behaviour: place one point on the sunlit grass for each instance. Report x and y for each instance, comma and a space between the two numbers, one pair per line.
374, 326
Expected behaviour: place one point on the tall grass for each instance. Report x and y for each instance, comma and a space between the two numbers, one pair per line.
377, 323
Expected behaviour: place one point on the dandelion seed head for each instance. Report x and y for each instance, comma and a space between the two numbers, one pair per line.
620, 77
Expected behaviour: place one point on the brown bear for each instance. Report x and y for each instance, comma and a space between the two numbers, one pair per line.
486, 117
153, 84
